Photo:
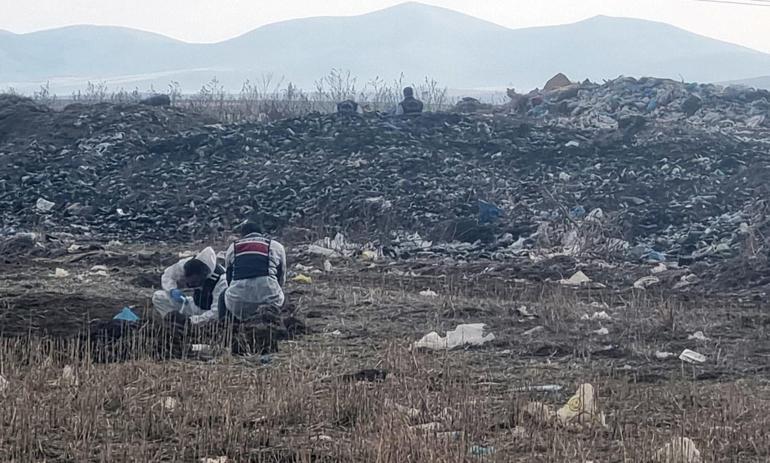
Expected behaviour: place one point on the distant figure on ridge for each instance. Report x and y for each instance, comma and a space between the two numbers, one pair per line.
410, 104
347, 107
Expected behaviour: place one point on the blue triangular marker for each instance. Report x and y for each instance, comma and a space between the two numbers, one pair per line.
127, 315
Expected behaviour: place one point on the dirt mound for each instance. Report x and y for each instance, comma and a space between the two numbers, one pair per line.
19, 116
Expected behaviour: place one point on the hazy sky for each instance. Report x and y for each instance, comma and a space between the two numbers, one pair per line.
215, 20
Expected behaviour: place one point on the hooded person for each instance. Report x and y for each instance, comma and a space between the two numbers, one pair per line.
256, 275
410, 104
192, 287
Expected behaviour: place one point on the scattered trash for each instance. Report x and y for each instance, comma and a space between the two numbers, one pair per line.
602, 316
43, 205
679, 450
524, 312
100, 270
577, 279
572, 144
646, 282
581, 408
660, 268
327, 266
544, 388
302, 279
534, 330
480, 451
450, 435
265, 359
368, 255
214, 460
170, 403
126, 315
61, 273
664, 355
602, 332
334, 333
68, 376
428, 293
693, 357
201, 349
469, 334
698, 336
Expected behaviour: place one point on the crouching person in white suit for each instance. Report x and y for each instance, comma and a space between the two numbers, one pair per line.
192, 287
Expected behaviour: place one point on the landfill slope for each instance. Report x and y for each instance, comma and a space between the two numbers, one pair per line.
668, 181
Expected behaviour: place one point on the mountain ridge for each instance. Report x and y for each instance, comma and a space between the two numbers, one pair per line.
418, 40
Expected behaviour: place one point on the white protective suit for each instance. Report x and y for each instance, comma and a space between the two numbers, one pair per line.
171, 279
244, 298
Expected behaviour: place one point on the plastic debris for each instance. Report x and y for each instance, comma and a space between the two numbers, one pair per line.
368, 255
61, 273
543, 388
679, 450
327, 266
43, 205
601, 316
481, 451
664, 355
579, 278
469, 334
534, 330
68, 376
222, 459
581, 408
302, 279
170, 403
698, 336
646, 282
524, 312
126, 315
691, 356
602, 332
428, 293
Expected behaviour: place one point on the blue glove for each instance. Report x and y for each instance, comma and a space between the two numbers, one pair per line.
177, 295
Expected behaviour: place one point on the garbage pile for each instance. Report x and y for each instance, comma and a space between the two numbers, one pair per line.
627, 102
487, 183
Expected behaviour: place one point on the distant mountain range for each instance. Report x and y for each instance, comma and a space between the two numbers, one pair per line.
459, 51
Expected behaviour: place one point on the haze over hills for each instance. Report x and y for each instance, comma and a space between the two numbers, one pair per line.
458, 50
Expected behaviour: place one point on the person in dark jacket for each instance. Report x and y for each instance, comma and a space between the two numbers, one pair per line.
410, 104
256, 275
